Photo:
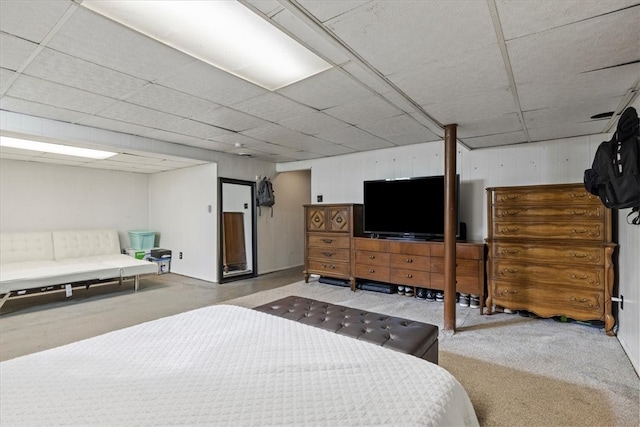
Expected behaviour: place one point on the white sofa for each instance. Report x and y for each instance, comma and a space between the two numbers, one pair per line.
41, 261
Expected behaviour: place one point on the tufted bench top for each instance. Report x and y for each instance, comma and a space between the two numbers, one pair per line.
407, 336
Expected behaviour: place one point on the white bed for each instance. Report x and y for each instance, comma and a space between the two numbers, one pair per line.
228, 365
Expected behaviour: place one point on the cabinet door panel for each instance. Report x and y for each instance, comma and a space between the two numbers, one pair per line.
316, 219
338, 219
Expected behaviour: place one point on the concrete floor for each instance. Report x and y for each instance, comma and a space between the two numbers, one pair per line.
50, 319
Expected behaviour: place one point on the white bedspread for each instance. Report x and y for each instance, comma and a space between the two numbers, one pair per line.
227, 365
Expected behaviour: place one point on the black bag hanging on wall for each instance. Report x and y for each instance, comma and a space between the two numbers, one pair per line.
266, 195
615, 173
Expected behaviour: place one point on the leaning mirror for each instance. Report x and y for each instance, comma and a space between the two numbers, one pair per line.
237, 230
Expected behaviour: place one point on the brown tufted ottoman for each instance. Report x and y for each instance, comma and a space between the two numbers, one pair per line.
407, 336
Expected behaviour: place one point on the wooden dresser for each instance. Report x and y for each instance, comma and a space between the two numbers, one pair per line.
550, 252
419, 264
328, 233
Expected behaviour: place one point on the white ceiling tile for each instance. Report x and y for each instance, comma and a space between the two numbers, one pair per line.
49, 93
93, 38
520, 18
454, 76
69, 71
581, 47
473, 108
368, 109
508, 138
392, 37
114, 125
230, 119
400, 130
162, 98
31, 20
15, 51
6, 79
210, 83
272, 107
325, 10
354, 138
325, 90
565, 130
313, 123
138, 115
274, 133
197, 129
574, 115
40, 110
507, 123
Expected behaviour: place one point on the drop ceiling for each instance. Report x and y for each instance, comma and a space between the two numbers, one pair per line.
506, 72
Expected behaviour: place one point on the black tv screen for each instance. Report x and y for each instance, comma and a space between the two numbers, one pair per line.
406, 207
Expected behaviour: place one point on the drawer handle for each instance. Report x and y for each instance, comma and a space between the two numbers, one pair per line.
316, 219
509, 251
372, 257
409, 260
583, 231
584, 302
339, 220
327, 241
328, 254
508, 270
328, 266
508, 291
409, 276
581, 213
509, 197
507, 213
509, 230
579, 196
371, 270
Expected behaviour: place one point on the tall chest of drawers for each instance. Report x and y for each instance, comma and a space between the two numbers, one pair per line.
550, 252
328, 233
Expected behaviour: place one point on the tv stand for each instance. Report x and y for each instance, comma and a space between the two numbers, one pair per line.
419, 264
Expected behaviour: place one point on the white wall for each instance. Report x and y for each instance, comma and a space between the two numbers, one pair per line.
41, 196
281, 237
179, 209
339, 179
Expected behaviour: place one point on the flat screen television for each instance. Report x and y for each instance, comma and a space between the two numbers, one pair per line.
407, 208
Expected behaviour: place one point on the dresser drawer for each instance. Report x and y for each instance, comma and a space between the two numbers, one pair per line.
329, 254
410, 262
591, 277
539, 195
467, 251
464, 267
372, 258
329, 240
410, 248
549, 212
372, 272
572, 230
371, 245
328, 267
584, 255
579, 304
409, 277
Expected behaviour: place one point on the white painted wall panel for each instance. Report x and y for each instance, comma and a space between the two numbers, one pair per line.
41, 197
179, 208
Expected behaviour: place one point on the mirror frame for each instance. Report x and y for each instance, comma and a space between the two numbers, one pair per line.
254, 222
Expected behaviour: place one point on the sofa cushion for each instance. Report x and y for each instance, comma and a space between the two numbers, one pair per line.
25, 247
85, 243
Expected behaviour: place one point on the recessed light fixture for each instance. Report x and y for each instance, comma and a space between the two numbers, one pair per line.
223, 33
46, 147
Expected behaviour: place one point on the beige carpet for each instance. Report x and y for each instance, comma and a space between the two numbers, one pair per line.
518, 371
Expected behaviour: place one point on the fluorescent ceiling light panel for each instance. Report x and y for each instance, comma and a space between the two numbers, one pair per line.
67, 150
223, 33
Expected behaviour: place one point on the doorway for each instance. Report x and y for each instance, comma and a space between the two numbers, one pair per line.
237, 230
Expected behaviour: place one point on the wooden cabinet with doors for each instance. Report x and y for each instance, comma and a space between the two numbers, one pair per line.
328, 233
550, 252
